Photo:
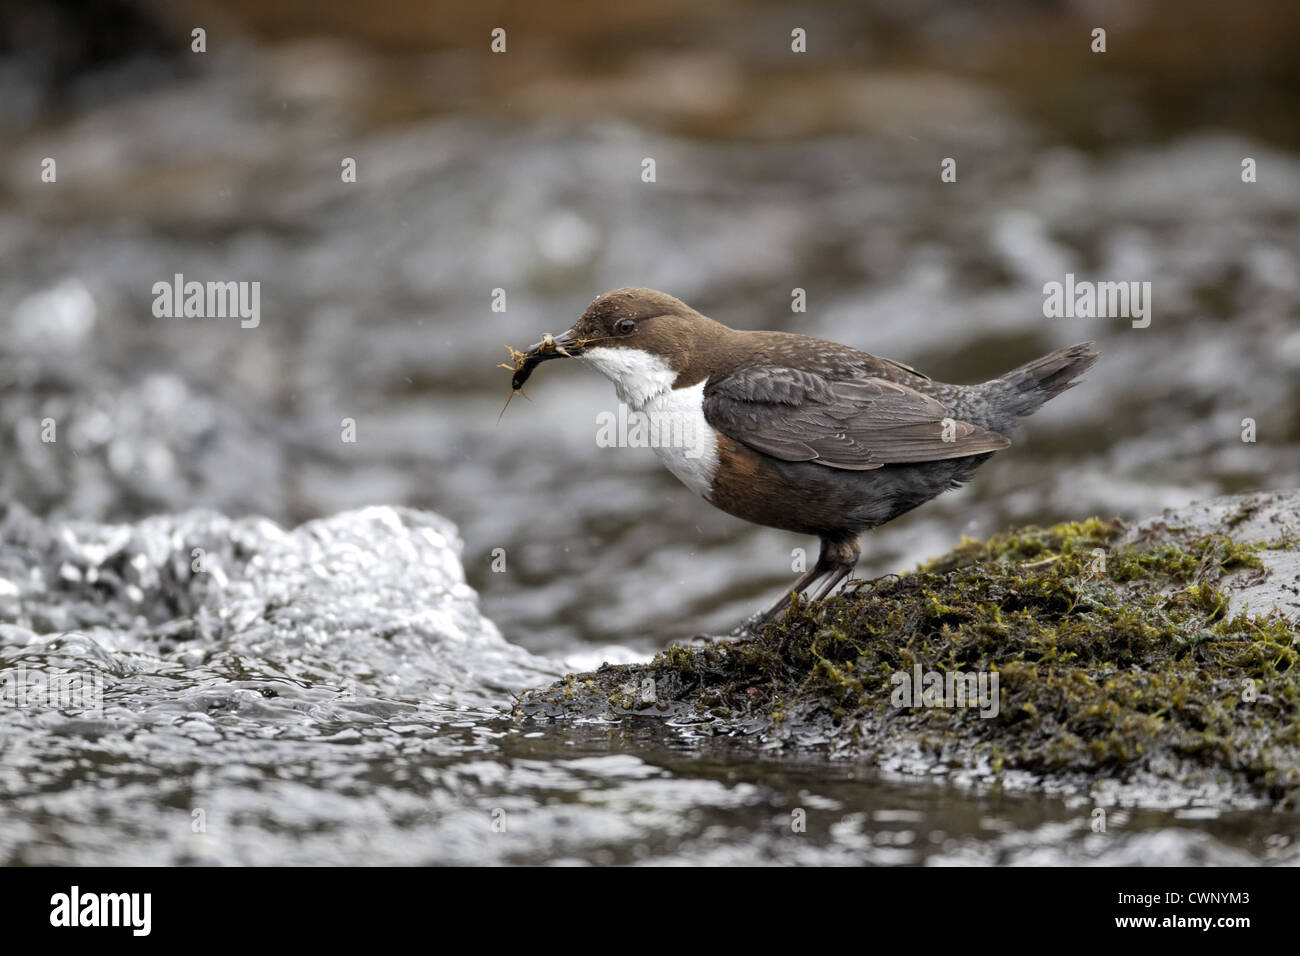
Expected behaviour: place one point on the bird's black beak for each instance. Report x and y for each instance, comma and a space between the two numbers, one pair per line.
564, 345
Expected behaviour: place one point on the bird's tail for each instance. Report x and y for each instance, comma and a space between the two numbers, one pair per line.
1024, 390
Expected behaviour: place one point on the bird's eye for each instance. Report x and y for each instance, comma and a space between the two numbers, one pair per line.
624, 326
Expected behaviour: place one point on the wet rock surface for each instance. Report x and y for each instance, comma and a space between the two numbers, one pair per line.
1157, 657
1272, 518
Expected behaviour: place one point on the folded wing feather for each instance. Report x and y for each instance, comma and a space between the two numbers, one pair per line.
856, 425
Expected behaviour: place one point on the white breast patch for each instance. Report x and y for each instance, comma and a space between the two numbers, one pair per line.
683, 440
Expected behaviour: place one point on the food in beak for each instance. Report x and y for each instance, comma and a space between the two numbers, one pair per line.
524, 362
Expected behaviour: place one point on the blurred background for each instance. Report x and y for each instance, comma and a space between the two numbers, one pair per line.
521, 171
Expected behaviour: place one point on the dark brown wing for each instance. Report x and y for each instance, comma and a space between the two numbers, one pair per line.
856, 425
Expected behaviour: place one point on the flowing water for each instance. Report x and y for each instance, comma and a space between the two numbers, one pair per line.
329, 692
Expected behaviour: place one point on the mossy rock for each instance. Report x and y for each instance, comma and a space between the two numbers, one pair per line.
1164, 652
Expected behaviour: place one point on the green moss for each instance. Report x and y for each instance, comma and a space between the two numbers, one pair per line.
1026, 544
1105, 657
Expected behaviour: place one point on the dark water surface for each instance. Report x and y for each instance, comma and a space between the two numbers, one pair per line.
384, 737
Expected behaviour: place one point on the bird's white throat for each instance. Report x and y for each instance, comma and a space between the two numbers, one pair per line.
638, 376
684, 441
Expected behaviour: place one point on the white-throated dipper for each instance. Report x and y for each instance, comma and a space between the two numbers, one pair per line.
795, 432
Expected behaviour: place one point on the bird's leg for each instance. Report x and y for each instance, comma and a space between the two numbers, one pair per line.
836, 560
804, 582
756, 621
841, 556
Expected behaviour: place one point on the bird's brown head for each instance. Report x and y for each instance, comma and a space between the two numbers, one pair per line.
628, 322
